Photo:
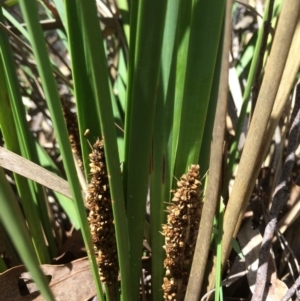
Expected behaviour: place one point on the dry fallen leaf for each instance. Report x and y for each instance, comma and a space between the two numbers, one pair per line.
277, 289
250, 241
72, 281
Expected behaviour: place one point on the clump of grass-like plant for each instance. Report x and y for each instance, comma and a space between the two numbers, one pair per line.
167, 95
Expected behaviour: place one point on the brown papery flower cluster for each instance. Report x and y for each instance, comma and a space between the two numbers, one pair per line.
101, 216
180, 233
72, 126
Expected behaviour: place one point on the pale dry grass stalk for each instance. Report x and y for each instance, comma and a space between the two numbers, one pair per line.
280, 198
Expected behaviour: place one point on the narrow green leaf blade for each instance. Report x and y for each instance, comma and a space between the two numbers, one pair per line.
12, 219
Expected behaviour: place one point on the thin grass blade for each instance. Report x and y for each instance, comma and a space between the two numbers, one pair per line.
201, 60
19, 235
29, 10
20, 140
160, 160
100, 83
141, 100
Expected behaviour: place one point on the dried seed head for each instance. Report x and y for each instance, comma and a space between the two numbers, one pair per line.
101, 216
72, 126
181, 231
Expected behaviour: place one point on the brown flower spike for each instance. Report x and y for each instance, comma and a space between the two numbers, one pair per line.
101, 216
72, 126
180, 233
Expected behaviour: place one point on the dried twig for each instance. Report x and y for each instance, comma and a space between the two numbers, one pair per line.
288, 252
291, 291
279, 199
